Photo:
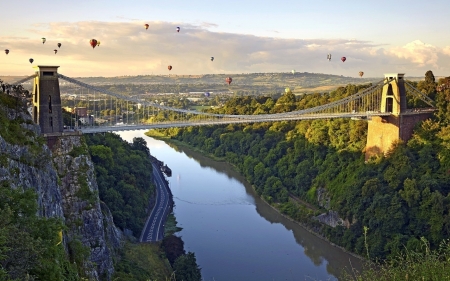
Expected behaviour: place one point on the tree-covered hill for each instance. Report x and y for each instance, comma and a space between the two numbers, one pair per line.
399, 198
243, 83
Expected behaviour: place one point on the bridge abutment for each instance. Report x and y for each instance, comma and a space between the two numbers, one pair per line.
384, 131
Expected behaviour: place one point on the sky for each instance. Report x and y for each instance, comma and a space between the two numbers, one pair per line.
243, 36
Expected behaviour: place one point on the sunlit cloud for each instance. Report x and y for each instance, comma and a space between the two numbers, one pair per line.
446, 50
127, 48
418, 52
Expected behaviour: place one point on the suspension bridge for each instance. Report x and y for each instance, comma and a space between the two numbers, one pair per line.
361, 105
384, 103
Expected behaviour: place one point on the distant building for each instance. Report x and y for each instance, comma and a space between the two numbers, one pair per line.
87, 120
80, 111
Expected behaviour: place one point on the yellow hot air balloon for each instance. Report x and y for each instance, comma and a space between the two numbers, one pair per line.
288, 90
98, 43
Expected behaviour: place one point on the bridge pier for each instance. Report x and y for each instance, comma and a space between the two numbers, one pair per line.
47, 112
384, 131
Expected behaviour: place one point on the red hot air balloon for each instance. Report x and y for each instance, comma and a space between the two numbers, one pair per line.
343, 59
169, 67
31, 60
59, 45
146, 26
55, 51
6, 51
93, 43
229, 80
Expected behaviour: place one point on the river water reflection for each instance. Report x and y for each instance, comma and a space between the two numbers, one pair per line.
233, 233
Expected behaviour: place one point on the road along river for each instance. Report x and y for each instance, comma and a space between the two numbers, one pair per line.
233, 233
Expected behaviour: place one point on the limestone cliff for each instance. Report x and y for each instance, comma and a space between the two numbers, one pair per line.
30, 166
64, 180
81, 206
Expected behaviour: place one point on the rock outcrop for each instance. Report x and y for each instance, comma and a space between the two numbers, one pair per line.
82, 208
330, 218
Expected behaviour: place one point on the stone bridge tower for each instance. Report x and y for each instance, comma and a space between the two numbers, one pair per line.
47, 112
383, 131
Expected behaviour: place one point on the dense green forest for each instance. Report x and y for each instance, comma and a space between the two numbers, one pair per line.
397, 198
124, 178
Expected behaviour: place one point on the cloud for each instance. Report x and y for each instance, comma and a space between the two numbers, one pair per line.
418, 52
127, 48
446, 50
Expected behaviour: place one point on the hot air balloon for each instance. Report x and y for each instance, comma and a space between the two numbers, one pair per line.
31, 60
293, 71
98, 43
43, 40
212, 58
207, 94
329, 57
93, 43
343, 59
169, 67
178, 29
146, 26
288, 90
6, 51
361, 74
59, 45
55, 51
229, 80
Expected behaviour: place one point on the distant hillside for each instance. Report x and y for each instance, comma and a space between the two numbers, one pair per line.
298, 82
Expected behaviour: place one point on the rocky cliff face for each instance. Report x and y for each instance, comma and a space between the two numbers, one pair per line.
81, 206
65, 183
25, 167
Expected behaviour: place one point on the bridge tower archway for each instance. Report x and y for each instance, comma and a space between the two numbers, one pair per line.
47, 112
393, 97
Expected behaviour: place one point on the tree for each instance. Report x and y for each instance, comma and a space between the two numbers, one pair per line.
141, 144
429, 77
428, 86
173, 247
186, 268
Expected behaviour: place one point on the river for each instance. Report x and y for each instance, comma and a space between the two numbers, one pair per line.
233, 233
